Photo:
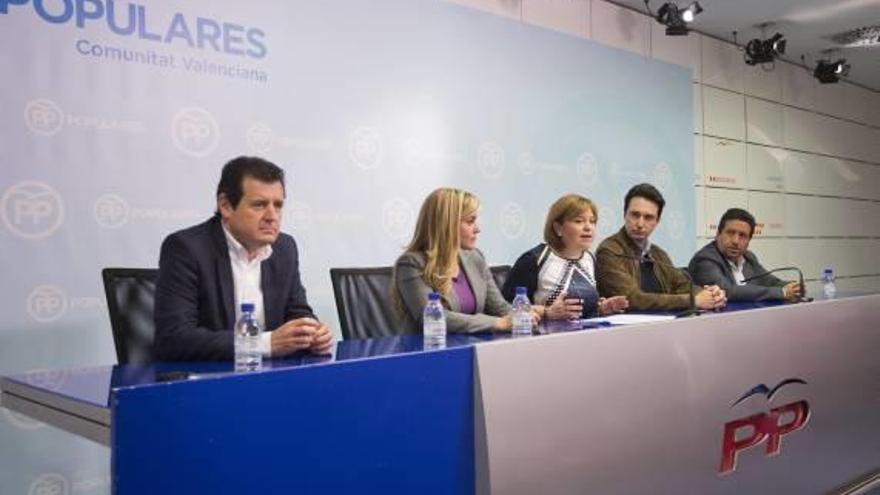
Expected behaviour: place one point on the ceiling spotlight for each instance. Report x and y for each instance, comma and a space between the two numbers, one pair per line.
828, 72
764, 51
691, 11
676, 18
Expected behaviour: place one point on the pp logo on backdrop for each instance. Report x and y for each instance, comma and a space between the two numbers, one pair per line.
259, 138
527, 163
195, 132
50, 484
46, 303
111, 211
32, 210
513, 220
490, 159
43, 117
365, 148
745, 433
397, 218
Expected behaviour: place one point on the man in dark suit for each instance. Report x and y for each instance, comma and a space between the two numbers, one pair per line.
239, 255
727, 262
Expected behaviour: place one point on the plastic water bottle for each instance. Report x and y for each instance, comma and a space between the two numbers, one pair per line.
247, 341
434, 323
522, 313
828, 287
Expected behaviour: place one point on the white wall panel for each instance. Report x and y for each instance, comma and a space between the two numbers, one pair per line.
856, 103
769, 211
855, 179
724, 162
700, 202
698, 160
829, 99
874, 113
717, 202
861, 284
505, 8
680, 50
764, 122
698, 108
814, 174
764, 168
764, 83
807, 131
723, 113
772, 253
864, 256
621, 28
811, 256
804, 216
798, 85
872, 227
567, 16
722, 64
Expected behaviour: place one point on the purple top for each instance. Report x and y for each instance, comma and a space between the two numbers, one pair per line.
461, 285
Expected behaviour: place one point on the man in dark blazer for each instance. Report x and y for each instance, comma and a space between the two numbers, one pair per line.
239, 255
728, 263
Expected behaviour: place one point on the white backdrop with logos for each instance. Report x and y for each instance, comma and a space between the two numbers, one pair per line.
116, 118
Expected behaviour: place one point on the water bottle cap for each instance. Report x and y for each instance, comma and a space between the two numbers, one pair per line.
433, 296
247, 307
521, 291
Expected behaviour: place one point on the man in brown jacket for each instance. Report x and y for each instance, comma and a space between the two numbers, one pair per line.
628, 264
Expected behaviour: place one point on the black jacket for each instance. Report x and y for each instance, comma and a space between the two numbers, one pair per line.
195, 296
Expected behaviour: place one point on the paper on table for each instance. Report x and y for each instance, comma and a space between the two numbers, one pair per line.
629, 319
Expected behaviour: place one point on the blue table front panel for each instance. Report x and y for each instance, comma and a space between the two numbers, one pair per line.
401, 424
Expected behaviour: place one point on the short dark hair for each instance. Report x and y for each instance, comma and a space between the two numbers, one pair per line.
648, 192
232, 177
737, 214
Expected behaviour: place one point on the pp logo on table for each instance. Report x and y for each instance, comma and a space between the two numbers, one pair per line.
50, 484
771, 426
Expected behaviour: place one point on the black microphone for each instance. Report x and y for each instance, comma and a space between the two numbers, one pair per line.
693, 310
803, 297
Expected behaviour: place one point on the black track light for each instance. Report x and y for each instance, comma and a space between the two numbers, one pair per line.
828, 72
765, 51
676, 18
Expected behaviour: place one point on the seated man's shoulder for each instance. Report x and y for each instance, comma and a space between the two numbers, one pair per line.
611, 245
192, 235
660, 254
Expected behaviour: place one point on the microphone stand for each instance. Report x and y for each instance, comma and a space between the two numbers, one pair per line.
803, 297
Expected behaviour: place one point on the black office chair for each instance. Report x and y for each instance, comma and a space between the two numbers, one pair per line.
130, 295
363, 302
500, 273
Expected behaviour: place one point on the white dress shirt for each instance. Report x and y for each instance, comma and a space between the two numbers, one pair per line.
737, 269
246, 276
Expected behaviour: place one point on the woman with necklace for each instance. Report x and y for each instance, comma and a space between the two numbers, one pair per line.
559, 274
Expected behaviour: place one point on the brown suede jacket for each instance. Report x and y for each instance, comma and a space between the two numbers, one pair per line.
617, 274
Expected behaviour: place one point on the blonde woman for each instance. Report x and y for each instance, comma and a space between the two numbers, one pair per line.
442, 257
559, 274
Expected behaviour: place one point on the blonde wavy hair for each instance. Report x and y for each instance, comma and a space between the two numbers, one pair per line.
437, 236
